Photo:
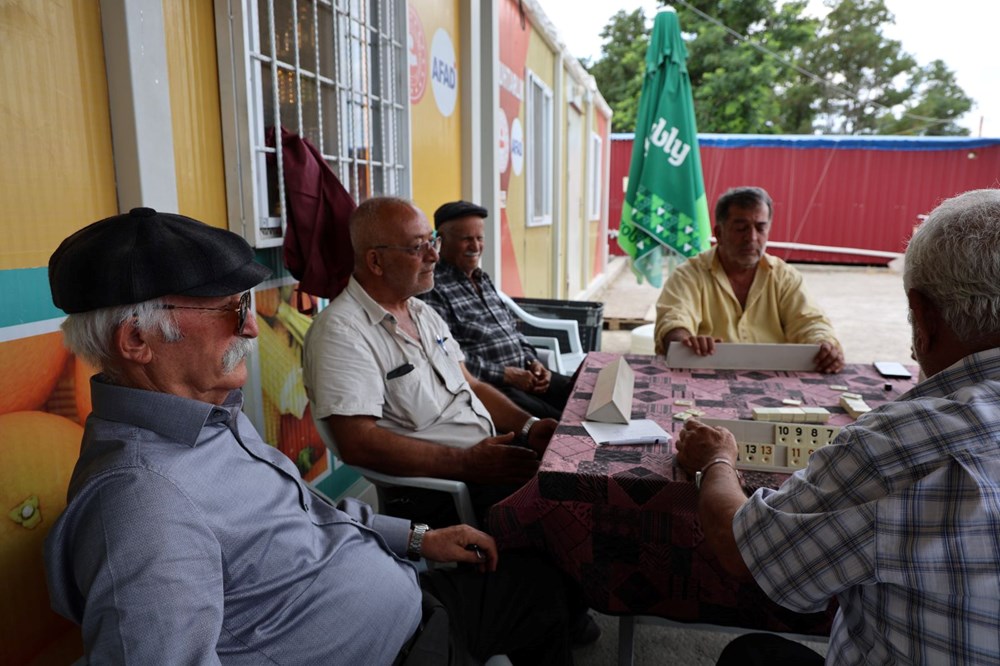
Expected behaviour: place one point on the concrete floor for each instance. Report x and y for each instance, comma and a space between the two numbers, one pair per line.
867, 307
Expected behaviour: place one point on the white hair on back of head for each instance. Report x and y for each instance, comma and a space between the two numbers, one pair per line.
953, 259
90, 334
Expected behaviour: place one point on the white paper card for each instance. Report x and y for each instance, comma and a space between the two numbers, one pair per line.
638, 431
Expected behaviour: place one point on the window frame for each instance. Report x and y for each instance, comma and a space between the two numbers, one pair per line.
539, 181
595, 171
378, 112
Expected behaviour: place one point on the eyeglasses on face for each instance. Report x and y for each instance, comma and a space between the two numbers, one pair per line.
434, 241
241, 310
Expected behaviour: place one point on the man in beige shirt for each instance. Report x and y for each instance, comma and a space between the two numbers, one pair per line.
386, 373
735, 292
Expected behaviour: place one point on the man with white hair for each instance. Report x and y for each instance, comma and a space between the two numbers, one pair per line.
188, 540
898, 518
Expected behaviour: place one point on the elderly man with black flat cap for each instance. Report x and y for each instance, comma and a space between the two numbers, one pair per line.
188, 540
463, 294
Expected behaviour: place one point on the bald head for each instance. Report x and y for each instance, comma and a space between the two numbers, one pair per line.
376, 221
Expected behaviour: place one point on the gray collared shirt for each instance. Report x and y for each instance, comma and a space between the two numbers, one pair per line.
188, 540
357, 361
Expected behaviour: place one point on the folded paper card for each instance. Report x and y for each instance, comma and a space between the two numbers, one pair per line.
611, 401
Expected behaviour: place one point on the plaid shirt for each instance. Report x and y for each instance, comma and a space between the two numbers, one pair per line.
900, 519
481, 323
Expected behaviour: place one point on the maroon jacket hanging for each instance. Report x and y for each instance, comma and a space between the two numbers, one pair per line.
317, 244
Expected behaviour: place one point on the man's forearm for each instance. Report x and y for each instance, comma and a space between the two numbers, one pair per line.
507, 417
363, 443
719, 499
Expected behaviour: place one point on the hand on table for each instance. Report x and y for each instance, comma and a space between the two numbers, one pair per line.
451, 544
699, 444
495, 461
829, 359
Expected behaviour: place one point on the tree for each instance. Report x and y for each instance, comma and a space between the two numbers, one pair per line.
860, 65
938, 102
757, 67
740, 82
619, 70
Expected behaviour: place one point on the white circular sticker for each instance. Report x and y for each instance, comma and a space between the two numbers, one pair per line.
516, 146
503, 141
444, 73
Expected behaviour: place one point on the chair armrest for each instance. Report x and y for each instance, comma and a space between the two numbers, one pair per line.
570, 326
457, 489
549, 347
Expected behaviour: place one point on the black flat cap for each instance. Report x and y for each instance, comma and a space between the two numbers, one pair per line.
457, 209
144, 254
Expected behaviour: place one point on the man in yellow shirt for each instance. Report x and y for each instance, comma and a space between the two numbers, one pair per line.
735, 292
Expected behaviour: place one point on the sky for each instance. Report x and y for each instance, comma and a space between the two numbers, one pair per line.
959, 32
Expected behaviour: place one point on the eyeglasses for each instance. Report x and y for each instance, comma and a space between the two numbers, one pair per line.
413, 250
241, 310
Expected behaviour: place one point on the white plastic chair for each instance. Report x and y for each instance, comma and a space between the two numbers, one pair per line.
565, 362
457, 489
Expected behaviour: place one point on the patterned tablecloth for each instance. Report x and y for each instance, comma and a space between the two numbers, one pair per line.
623, 521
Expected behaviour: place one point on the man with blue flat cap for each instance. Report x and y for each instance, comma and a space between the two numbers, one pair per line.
187, 539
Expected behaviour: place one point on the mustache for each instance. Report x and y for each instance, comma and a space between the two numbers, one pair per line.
236, 352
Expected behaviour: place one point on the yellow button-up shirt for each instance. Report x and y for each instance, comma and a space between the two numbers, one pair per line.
698, 297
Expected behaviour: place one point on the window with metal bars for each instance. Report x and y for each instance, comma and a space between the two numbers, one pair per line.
331, 71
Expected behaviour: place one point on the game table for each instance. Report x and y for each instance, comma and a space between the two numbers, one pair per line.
622, 520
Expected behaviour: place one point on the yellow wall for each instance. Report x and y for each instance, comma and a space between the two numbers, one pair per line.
189, 26
56, 170
436, 138
534, 244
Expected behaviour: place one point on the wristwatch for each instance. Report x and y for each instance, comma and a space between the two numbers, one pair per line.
526, 428
416, 545
700, 474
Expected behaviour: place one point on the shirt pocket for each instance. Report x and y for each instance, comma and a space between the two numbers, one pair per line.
416, 399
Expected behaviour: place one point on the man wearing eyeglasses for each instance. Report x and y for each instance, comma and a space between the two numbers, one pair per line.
386, 372
188, 540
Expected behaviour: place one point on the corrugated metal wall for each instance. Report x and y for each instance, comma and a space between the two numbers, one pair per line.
855, 192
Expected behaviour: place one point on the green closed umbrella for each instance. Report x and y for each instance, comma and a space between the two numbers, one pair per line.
665, 210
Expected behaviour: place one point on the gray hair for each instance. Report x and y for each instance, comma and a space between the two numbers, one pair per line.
90, 334
953, 259
742, 197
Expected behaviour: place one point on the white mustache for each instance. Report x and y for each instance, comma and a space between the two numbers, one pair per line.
236, 353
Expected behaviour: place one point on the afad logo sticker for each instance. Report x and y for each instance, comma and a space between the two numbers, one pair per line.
444, 73
516, 147
416, 46
503, 141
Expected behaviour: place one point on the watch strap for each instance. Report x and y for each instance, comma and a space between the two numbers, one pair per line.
414, 550
526, 428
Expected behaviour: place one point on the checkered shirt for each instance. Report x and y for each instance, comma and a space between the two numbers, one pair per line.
481, 323
900, 519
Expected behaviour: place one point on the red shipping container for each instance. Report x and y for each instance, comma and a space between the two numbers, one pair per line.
858, 192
